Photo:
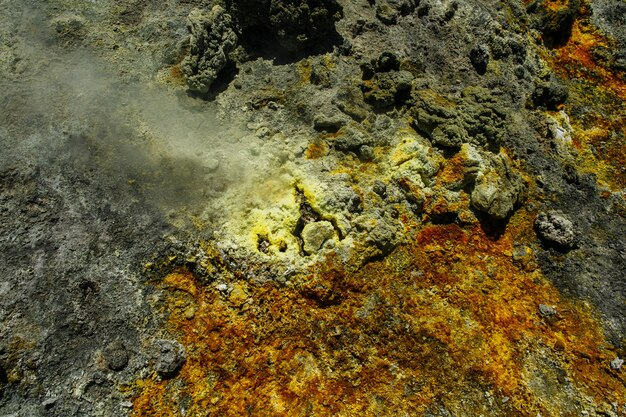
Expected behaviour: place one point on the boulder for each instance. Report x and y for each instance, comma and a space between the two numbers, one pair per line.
211, 39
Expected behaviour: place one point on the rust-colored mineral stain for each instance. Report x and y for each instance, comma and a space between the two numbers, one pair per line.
600, 142
453, 171
576, 59
552, 5
601, 92
176, 75
445, 317
316, 150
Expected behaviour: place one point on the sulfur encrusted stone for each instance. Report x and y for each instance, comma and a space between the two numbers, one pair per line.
315, 234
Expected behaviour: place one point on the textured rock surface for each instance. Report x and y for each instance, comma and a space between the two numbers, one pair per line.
497, 189
294, 25
170, 357
555, 228
315, 234
312, 207
212, 39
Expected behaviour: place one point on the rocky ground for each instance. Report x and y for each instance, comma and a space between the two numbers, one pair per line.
312, 207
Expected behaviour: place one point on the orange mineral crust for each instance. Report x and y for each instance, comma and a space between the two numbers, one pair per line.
451, 319
581, 58
597, 100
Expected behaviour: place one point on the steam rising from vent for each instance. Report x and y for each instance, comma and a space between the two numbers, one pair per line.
134, 141
100, 129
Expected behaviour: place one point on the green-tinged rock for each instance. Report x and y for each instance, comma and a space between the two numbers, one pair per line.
315, 234
498, 189
212, 38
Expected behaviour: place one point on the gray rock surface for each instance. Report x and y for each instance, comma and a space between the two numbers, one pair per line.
617, 363
169, 357
478, 117
292, 25
116, 356
546, 310
381, 233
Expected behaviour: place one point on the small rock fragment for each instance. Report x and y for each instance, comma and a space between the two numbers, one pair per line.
329, 122
386, 89
238, 296
616, 364
546, 310
170, 357
380, 231
126, 404
555, 228
315, 234
190, 312
380, 188
48, 403
115, 356
212, 164
351, 140
387, 61
366, 153
263, 132
449, 136
224, 289
341, 197
524, 256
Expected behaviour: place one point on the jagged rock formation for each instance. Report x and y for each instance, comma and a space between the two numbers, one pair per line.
296, 25
212, 39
